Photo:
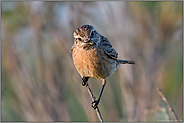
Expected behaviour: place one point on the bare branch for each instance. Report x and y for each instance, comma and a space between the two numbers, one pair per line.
168, 104
93, 99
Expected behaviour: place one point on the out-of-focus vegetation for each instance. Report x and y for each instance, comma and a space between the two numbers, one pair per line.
40, 82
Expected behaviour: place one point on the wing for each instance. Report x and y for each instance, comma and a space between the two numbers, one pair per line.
111, 52
108, 49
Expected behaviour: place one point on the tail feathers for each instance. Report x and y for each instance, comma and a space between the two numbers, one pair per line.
125, 61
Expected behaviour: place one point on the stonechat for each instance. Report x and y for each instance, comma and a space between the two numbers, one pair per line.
94, 56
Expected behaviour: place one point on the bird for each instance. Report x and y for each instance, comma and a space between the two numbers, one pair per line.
94, 56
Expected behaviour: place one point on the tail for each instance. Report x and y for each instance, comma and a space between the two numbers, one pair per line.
125, 61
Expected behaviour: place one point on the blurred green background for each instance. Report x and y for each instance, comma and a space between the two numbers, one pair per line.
40, 82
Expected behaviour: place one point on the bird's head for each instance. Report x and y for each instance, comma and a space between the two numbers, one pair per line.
86, 35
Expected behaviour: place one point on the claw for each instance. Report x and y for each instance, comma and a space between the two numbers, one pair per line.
84, 80
95, 104
83, 83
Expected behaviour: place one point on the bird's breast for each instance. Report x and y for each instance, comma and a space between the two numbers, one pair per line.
93, 63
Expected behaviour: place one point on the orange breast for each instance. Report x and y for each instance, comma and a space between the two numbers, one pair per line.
87, 63
93, 63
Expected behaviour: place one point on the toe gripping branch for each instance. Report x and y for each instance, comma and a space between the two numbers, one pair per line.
84, 80
94, 103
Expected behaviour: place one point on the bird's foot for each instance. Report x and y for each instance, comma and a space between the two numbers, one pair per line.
83, 83
95, 104
84, 80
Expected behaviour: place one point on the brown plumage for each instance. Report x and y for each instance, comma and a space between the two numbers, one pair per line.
94, 56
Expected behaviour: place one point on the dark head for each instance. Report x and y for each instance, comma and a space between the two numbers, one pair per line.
86, 34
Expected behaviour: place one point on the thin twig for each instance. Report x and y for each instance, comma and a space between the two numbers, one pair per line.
93, 99
168, 104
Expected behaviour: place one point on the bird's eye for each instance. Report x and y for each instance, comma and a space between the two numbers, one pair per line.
79, 39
